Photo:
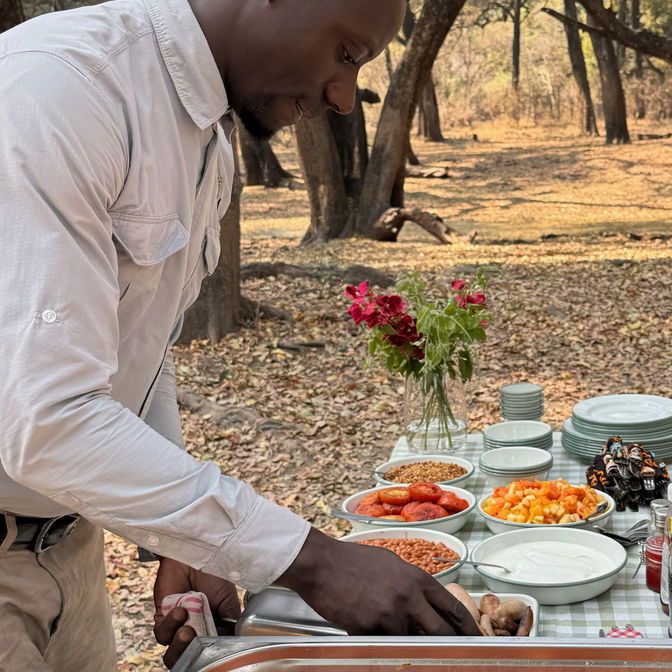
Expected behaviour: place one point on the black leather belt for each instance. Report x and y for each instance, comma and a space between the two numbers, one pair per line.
37, 534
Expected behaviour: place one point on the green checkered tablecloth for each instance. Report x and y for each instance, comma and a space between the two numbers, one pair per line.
628, 601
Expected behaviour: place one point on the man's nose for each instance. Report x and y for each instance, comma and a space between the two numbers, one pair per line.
340, 94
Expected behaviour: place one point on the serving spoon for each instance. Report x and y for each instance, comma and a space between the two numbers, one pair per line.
473, 563
337, 513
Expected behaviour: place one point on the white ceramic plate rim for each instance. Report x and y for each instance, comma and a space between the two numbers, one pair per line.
544, 459
594, 409
521, 388
529, 430
569, 429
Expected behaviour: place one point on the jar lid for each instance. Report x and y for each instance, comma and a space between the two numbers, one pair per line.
659, 510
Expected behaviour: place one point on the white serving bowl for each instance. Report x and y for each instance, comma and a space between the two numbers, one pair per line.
503, 465
552, 588
527, 600
501, 481
497, 525
517, 432
412, 459
449, 524
447, 576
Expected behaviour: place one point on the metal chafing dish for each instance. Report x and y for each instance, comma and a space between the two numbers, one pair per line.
427, 654
276, 612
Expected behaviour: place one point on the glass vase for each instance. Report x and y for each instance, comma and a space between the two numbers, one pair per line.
435, 414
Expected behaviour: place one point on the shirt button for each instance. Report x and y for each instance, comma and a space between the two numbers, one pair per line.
234, 576
153, 540
49, 316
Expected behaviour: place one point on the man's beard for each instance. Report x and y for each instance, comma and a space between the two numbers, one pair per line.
252, 114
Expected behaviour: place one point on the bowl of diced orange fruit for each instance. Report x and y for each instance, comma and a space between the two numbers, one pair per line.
556, 503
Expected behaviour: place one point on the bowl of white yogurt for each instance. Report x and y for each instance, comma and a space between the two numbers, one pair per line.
553, 565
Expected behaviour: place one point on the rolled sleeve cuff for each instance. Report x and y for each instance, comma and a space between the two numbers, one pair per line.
262, 548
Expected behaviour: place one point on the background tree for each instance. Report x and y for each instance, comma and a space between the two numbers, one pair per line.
429, 119
588, 121
613, 98
261, 164
337, 210
11, 13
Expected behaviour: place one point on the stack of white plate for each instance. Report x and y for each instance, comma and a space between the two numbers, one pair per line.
518, 433
640, 418
521, 401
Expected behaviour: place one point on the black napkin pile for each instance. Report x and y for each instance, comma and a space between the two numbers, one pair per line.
629, 474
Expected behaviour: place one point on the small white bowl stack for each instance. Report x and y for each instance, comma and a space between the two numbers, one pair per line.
521, 401
502, 466
518, 433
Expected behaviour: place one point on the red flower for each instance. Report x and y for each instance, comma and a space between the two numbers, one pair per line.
356, 313
358, 293
461, 301
457, 285
373, 317
478, 299
391, 305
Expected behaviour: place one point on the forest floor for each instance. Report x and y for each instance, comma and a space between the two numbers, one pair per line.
578, 236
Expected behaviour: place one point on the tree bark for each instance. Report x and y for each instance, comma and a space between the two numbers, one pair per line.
389, 224
349, 133
323, 173
622, 17
261, 164
11, 14
515, 50
429, 120
613, 98
588, 120
217, 311
644, 41
385, 176
640, 104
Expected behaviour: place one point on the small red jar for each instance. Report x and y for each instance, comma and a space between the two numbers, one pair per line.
653, 557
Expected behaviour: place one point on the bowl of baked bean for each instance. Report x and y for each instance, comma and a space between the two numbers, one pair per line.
418, 547
447, 469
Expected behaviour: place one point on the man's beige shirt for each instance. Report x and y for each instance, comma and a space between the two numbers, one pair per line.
114, 172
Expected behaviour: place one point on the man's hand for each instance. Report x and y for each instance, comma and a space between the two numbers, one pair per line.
175, 577
371, 591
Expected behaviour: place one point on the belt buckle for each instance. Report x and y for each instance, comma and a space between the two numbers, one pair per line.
41, 542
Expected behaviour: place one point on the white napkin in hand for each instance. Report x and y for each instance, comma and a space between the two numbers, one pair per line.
198, 608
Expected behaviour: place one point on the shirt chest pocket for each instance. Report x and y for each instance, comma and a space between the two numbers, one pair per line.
144, 246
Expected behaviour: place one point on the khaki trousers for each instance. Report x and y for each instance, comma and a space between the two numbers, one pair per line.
55, 614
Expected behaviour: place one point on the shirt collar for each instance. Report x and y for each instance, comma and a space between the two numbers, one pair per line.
189, 60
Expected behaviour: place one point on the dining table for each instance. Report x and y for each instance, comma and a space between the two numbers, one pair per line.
627, 602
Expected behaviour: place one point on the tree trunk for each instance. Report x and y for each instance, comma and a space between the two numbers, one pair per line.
323, 173
622, 17
613, 98
217, 310
261, 165
385, 175
640, 104
11, 14
515, 50
429, 120
588, 119
349, 133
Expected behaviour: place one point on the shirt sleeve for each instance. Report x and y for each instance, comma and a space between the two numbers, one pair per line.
64, 160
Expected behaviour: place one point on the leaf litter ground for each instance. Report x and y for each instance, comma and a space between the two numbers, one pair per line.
585, 311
